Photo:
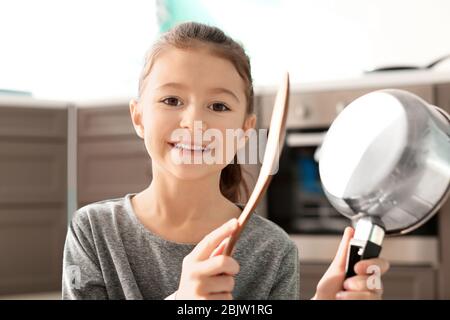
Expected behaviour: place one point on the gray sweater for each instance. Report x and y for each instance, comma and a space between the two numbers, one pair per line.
109, 254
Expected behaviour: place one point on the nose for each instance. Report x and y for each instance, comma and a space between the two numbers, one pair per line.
192, 119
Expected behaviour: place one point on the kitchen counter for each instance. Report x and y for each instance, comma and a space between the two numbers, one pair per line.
12, 101
406, 250
381, 79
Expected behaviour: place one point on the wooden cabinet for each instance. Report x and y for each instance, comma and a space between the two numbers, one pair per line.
31, 245
110, 168
32, 172
33, 188
112, 159
401, 282
442, 92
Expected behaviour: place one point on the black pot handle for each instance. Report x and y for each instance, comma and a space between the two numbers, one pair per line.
357, 251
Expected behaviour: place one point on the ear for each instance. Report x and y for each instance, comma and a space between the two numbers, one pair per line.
250, 122
136, 118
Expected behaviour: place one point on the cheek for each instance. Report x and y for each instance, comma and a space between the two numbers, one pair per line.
157, 128
227, 144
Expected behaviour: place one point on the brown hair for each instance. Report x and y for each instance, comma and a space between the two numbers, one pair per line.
195, 35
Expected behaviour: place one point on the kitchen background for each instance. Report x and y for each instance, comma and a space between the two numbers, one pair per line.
68, 70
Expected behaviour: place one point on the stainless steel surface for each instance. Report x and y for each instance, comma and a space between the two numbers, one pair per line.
387, 155
367, 231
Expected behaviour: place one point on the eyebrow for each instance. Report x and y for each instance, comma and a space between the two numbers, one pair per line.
212, 90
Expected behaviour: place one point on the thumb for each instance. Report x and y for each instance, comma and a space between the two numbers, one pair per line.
205, 248
220, 249
340, 260
331, 281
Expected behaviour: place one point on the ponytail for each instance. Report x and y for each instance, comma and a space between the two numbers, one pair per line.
231, 179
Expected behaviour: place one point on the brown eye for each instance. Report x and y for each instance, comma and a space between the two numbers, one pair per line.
220, 107
172, 101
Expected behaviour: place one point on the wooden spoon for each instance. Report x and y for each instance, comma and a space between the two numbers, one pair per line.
272, 153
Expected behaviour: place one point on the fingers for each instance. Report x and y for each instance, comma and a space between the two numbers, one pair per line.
356, 283
358, 295
220, 296
362, 283
331, 281
207, 273
340, 259
367, 283
202, 279
370, 266
204, 248
216, 285
218, 265
220, 249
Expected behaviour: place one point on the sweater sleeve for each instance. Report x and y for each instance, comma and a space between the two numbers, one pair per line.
287, 282
82, 276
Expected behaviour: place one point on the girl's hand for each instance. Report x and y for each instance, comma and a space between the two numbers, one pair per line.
206, 273
364, 285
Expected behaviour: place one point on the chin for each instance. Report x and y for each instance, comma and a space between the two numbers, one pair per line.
191, 172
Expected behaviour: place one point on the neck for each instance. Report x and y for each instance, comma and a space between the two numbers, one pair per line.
179, 202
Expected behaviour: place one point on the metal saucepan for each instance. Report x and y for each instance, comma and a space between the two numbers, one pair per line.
385, 164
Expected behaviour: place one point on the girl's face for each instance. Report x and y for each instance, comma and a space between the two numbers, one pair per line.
192, 90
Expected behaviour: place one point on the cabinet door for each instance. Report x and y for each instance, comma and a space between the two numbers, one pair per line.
443, 96
105, 121
33, 188
32, 172
33, 122
410, 283
31, 247
110, 169
310, 275
112, 159
443, 101
400, 282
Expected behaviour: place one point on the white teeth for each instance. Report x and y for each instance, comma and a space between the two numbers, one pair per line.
188, 147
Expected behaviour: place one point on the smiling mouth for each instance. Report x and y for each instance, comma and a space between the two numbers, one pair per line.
187, 147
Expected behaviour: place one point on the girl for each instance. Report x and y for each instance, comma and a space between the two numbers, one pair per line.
166, 241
